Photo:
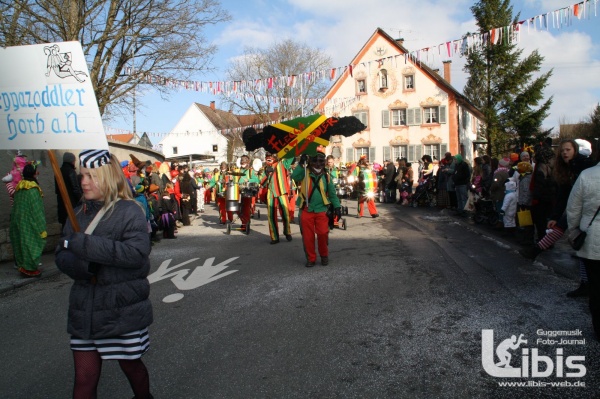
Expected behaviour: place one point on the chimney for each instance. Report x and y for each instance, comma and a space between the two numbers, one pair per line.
212, 105
447, 69
400, 41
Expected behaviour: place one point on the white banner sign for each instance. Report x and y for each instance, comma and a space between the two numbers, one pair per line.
47, 100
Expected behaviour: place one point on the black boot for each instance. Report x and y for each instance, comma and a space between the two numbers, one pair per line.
530, 252
582, 290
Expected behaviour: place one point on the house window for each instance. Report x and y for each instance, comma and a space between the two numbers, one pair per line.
215, 148
432, 150
362, 151
399, 151
362, 116
361, 86
409, 82
174, 150
383, 79
434, 114
430, 115
398, 117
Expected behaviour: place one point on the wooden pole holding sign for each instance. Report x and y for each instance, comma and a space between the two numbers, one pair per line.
63, 191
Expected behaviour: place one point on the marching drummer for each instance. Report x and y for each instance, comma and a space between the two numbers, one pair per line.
366, 187
248, 177
219, 181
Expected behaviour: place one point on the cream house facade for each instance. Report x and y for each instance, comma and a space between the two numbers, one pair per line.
409, 109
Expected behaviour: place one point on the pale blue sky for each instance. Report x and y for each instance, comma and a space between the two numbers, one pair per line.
341, 27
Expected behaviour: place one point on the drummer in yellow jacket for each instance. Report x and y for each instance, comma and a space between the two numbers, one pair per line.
316, 195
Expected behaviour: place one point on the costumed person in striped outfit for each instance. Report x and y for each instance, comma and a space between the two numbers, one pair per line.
109, 305
247, 202
277, 182
219, 181
28, 223
316, 195
366, 187
334, 174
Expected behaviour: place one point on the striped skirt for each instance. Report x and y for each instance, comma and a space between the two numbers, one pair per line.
127, 346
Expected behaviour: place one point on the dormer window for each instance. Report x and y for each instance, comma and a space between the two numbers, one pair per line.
361, 86
383, 79
409, 82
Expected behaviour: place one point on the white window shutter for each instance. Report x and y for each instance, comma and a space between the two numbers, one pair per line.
349, 154
443, 150
411, 153
442, 114
410, 116
385, 118
371, 154
418, 116
386, 152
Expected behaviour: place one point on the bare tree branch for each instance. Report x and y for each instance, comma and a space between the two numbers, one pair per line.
154, 37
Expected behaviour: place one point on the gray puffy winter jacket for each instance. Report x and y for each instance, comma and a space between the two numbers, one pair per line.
109, 296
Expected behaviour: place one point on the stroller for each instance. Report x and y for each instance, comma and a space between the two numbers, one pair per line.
485, 211
425, 194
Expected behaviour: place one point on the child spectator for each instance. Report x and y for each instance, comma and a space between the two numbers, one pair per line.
168, 208
509, 207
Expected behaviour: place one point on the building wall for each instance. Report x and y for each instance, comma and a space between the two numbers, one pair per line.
448, 135
195, 134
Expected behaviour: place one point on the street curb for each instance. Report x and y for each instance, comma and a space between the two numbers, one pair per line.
11, 279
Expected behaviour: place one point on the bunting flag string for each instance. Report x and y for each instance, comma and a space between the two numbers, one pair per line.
332, 106
459, 47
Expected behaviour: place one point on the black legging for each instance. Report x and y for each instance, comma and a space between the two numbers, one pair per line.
88, 365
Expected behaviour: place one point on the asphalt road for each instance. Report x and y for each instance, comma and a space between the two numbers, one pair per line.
400, 312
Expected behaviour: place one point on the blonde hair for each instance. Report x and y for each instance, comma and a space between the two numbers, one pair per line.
112, 182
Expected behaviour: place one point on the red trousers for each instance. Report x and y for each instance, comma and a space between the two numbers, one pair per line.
312, 224
224, 215
370, 204
245, 210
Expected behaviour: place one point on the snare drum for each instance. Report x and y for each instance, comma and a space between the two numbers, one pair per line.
250, 190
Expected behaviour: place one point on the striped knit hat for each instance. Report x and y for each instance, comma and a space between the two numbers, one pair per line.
91, 159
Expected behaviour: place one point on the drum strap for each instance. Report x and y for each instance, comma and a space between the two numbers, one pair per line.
322, 189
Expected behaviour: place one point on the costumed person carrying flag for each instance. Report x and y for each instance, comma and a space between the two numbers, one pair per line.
366, 187
277, 182
316, 195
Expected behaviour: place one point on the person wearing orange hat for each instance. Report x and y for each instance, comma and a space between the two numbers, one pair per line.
316, 195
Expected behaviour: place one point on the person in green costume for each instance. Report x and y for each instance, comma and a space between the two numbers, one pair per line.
28, 223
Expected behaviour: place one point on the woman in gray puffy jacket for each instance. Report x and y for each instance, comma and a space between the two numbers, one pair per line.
109, 308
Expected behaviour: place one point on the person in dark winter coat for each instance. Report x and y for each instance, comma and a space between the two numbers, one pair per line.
109, 305
461, 177
69, 175
543, 189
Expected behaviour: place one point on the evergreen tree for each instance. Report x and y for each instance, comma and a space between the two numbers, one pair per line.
502, 85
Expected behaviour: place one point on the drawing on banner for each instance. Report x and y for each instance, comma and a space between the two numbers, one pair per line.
201, 275
61, 64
